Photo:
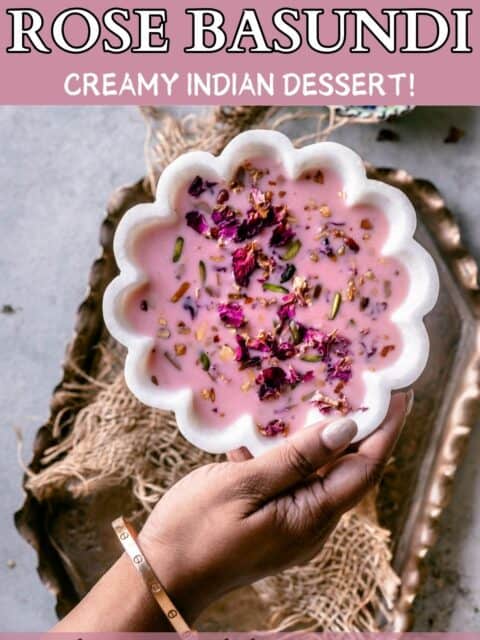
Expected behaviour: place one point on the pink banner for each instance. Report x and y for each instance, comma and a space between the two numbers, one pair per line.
253, 635
198, 52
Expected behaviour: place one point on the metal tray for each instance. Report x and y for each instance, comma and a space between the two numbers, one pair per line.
73, 538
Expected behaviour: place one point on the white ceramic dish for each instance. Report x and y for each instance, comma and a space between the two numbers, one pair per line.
422, 295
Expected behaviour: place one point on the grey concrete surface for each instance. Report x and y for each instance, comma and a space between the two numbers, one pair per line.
57, 168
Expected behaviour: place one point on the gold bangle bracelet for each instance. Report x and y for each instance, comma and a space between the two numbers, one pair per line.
128, 539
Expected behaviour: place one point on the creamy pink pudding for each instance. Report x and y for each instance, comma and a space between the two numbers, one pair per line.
268, 297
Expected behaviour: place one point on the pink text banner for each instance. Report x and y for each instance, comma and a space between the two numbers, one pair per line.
217, 52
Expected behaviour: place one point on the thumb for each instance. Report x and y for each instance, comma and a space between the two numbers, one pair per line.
301, 455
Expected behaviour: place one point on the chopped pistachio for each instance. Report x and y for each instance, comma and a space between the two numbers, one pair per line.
294, 331
336, 302
213, 293
292, 250
311, 358
204, 361
178, 249
274, 288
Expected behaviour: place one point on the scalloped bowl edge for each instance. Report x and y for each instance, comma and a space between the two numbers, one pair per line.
421, 297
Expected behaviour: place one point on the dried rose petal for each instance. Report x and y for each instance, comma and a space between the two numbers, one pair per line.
197, 222
264, 342
281, 235
223, 196
313, 337
190, 305
241, 352
308, 376
285, 350
226, 221
242, 355
295, 377
327, 249
341, 370
244, 264
272, 382
196, 188
370, 351
231, 314
261, 215
259, 199
327, 344
339, 345
273, 428
199, 186
326, 405
352, 245
251, 226
287, 309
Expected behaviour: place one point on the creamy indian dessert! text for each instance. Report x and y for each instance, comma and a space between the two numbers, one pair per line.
268, 297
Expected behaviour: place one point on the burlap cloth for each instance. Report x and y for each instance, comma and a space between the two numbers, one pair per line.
114, 440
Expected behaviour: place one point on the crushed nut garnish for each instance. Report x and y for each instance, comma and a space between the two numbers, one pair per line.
386, 350
351, 290
208, 394
183, 329
366, 224
325, 211
180, 349
180, 292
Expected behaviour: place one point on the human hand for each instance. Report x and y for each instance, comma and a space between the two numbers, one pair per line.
232, 523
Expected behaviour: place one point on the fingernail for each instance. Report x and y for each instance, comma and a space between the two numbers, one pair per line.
339, 433
409, 402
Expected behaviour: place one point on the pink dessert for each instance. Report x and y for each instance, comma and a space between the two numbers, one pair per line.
268, 297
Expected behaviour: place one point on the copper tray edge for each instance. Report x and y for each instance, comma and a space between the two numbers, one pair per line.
462, 415
87, 329
463, 412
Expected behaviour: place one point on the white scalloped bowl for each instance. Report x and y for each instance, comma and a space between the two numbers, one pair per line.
421, 297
